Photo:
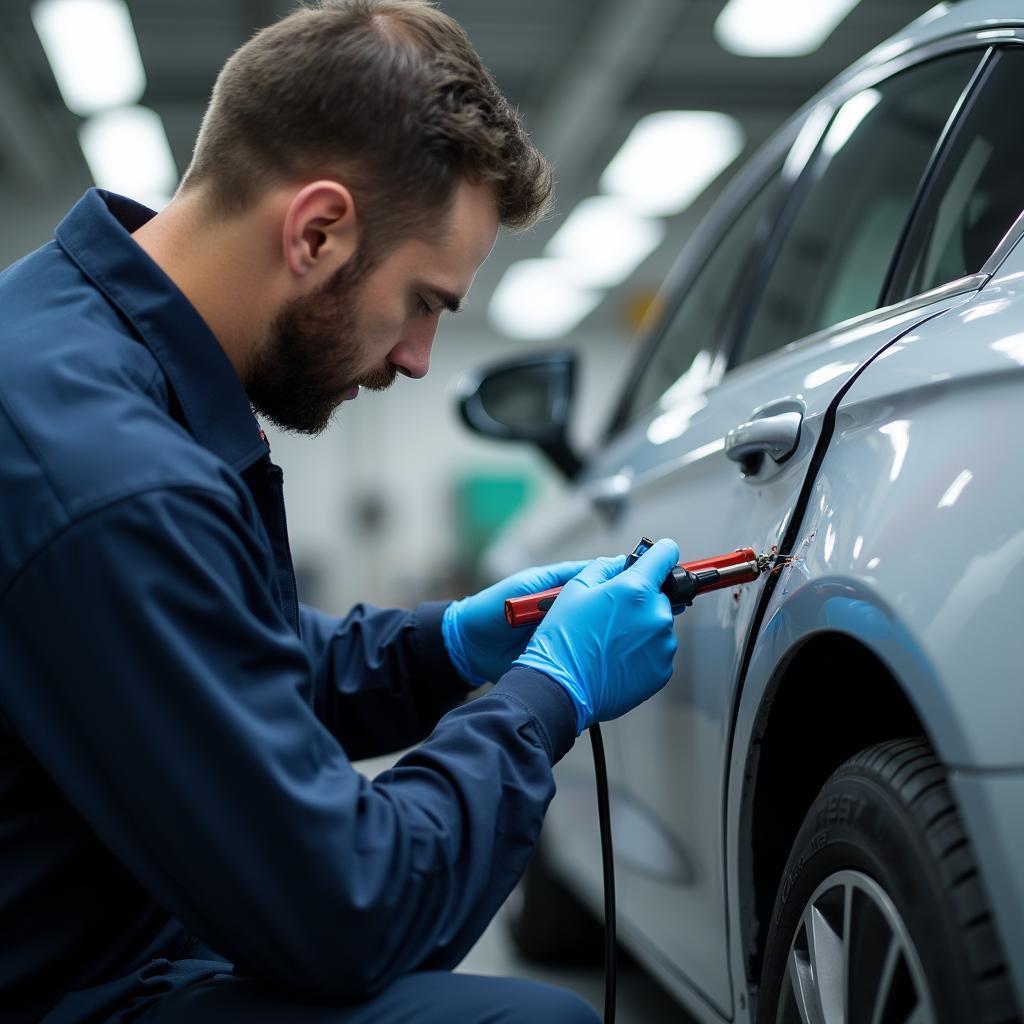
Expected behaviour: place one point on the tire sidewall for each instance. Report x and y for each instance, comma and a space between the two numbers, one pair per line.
857, 824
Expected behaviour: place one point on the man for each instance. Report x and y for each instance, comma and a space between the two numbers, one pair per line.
182, 834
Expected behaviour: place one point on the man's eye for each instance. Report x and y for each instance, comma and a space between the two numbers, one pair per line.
422, 309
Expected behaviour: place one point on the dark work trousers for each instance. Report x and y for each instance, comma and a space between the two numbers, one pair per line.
205, 992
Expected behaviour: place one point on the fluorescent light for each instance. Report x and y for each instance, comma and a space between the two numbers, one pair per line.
127, 152
898, 433
848, 118
539, 299
779, 28
602, 242
956, 488
91, 47
671, 157
1012, 345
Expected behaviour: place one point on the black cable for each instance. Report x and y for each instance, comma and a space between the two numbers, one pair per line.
605, 825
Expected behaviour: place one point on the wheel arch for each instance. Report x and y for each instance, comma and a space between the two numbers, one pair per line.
787, 763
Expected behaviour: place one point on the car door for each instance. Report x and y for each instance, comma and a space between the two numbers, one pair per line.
582, 522
718, 464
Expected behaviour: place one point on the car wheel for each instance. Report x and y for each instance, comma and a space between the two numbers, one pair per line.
881, 915
547, 923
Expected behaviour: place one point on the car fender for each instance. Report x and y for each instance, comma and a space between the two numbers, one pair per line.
804, 608
915, 510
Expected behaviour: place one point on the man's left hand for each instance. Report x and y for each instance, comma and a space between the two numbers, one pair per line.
480, 642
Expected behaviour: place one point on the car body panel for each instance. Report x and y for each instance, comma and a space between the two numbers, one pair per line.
678, 482
911, 584
942, 21
942, 545
677, 764
702, 499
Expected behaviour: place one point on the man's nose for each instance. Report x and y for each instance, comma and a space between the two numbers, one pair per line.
412, 354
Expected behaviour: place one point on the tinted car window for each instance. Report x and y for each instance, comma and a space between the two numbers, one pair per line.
978, 191
835, 257
694, 327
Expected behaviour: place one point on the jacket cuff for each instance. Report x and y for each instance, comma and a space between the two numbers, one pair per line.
546, 702
429, 645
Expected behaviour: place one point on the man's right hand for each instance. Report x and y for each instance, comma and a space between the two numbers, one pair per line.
608, 638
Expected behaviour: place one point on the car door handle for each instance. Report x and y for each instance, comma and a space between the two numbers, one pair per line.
775, 436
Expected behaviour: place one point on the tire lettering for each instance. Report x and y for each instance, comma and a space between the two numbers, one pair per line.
817, 843
840, 809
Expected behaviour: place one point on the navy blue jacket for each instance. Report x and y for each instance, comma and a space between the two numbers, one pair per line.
175, 728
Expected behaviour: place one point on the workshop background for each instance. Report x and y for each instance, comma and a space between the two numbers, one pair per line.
394, 502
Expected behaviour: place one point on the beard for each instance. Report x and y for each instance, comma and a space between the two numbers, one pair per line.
311, 356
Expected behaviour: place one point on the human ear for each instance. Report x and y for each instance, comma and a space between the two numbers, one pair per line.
319, 232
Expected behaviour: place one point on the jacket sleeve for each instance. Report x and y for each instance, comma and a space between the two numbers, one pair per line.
169, 706
381, 677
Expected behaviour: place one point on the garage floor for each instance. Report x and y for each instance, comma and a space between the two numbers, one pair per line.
640, 999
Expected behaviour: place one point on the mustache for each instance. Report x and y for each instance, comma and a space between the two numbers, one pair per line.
380, 379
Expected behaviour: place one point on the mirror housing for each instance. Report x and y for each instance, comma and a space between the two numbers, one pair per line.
524, 399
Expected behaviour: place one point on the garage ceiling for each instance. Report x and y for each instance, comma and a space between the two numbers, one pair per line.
581, 71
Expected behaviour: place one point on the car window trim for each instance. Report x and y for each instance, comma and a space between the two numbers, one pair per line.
1013, 235
1005, 247
807, 127
741, 191
957, 119
951, 289
858, 81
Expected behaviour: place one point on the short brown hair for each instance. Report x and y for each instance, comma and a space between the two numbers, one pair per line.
391, 93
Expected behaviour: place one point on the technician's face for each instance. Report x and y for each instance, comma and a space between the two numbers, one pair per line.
362, 329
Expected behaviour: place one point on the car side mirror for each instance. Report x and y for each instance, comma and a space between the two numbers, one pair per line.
527, 399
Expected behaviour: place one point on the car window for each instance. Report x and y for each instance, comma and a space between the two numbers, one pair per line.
834, 259
978, 190
693, 329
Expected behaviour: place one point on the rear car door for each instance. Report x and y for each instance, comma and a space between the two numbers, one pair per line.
718, 464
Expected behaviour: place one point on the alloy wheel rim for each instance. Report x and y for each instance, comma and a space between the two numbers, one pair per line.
851, 960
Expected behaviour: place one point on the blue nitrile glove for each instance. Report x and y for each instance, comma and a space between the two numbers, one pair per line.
479, 640
608, 638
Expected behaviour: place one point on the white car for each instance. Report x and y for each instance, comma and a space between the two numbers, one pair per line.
821, 817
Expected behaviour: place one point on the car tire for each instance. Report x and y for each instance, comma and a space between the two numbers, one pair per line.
881, 914
547, 923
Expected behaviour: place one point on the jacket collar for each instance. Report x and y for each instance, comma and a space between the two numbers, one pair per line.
96, 234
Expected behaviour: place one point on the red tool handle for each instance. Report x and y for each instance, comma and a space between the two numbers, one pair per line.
737, 557
531, 608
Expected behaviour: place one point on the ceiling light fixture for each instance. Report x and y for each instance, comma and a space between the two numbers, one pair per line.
602, 241
539, 299
92, 50
779, 28
670, 158
127, 152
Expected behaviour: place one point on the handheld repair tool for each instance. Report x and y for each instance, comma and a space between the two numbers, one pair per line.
683, 584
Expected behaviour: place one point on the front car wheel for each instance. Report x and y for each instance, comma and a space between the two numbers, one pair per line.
881, 917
